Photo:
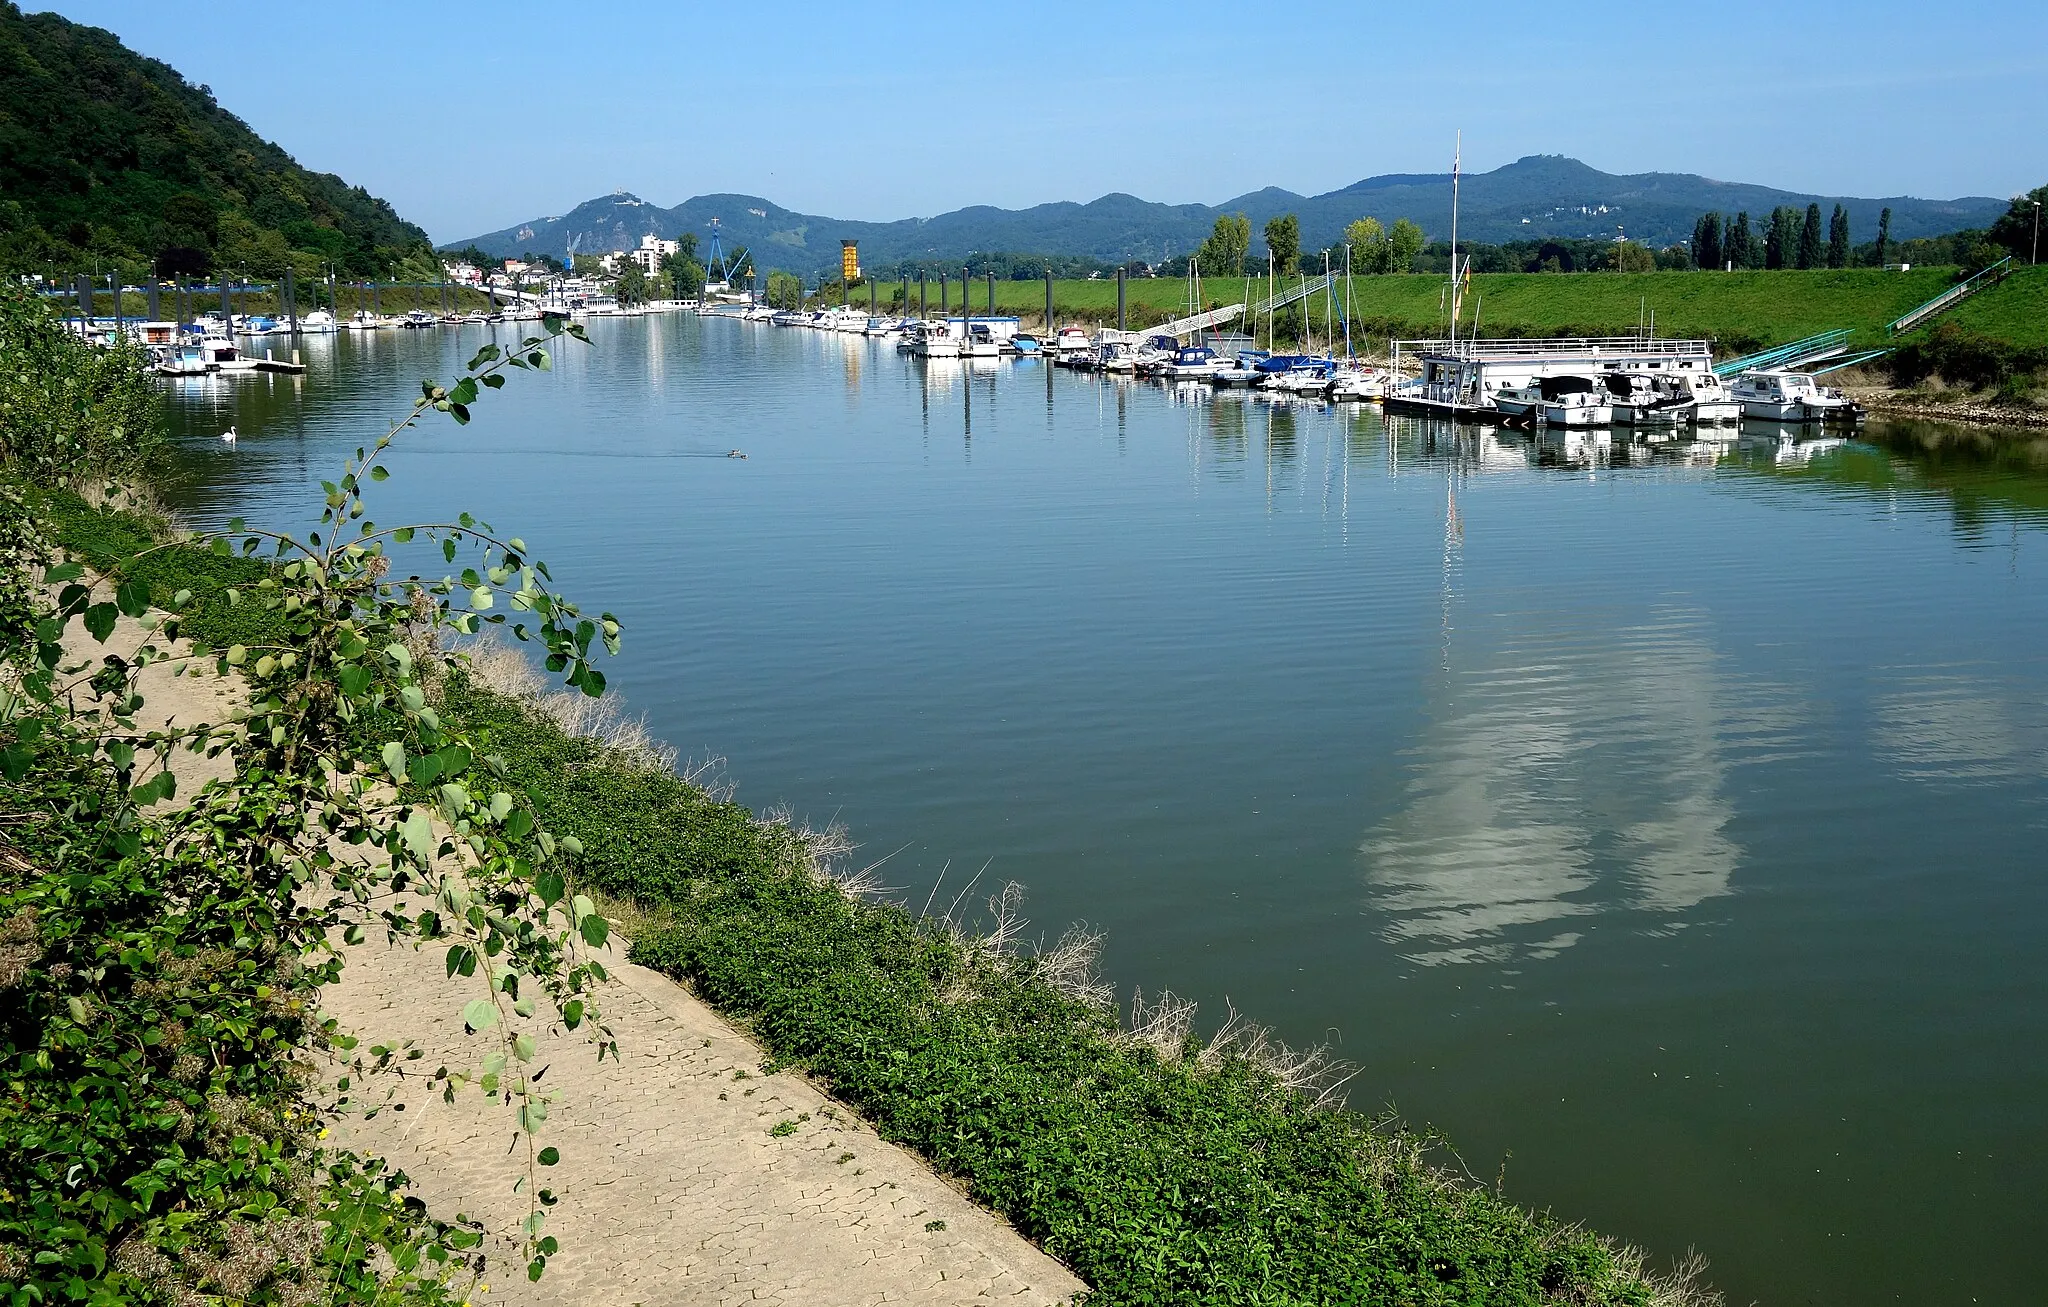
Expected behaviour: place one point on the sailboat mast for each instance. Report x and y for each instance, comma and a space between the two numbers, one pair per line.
1457, 156
1349, 352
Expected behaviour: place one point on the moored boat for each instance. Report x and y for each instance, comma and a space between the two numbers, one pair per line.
1791, 397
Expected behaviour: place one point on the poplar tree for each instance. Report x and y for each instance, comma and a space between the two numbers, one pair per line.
1838, 238
1706, 241
1740, 248
1774, 240
1283, 237
1810, 250
1882, 255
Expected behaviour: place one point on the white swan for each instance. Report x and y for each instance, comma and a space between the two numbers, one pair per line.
228, 435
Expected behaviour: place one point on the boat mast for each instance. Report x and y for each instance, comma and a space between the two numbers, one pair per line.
1457, 154
1349, 353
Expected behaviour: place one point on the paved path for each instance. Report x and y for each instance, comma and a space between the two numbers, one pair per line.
674, 1190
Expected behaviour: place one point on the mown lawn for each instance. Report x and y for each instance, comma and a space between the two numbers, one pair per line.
1739, 310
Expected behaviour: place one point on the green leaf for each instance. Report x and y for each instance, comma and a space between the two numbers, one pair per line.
448, 550
379, 472
522, 1047
548, 1157
403, 535
480, 1014
15, 760
419, 834
132, 598
99, 621
394, 759
63, 572
480, 598
237, 654
595, 929
412, 697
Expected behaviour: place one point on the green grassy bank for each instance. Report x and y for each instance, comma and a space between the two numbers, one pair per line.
1739, 310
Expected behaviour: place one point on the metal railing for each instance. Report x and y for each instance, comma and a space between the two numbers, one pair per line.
1951, 297
1511, 347
1812, 349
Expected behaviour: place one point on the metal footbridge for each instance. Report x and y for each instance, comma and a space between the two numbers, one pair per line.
1951, 297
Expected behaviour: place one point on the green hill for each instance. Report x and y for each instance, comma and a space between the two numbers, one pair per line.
106, 155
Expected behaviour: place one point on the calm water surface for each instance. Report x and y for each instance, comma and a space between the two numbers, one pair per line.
1666, 826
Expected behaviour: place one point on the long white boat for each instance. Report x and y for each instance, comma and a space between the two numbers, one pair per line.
318, 323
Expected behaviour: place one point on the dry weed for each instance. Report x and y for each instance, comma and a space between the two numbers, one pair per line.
499, 667
1069, 967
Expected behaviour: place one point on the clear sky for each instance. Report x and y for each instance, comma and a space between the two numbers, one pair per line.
472, 117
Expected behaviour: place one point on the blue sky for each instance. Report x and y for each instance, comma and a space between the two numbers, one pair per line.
472, 117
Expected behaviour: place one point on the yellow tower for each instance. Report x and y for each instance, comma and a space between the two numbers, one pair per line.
849, 261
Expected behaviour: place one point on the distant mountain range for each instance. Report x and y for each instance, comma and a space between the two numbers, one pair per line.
1536, 198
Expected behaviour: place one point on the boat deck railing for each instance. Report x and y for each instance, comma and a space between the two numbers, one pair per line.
1551, 346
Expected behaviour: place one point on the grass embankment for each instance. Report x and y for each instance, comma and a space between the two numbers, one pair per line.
1161, 1171
1741, 311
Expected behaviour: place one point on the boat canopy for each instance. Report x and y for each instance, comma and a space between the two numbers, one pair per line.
1558, 387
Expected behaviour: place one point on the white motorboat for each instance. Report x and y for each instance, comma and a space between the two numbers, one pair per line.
980, 343
1641, 399
1194, 363
1791, 397
1575, 402
417, 319
1116, 356
318, 323
933, 340
1358, 383
1310, 378
183, 361
1712, 405
882, 328
364, 320
1070, 340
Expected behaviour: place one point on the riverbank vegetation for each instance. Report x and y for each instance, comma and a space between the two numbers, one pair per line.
163, 959
161, 955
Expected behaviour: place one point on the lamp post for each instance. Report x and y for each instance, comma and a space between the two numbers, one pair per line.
2035, 257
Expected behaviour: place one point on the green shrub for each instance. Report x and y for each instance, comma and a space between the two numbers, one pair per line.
68, 409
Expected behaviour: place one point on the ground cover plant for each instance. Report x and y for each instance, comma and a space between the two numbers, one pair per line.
1162, 1166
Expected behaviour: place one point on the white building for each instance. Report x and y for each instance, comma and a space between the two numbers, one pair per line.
652, 251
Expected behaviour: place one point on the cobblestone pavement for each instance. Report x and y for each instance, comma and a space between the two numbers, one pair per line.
675, 1188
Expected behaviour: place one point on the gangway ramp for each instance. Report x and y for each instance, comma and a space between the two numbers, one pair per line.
1800, 353
1179, 327
1951, 297
1281, 299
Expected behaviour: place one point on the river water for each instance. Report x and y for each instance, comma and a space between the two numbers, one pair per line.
1664, 825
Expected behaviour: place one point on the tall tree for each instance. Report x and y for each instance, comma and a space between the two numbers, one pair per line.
1368, 242
1882, 255
1706, 241
1223, 253
1776, 239
1283, 237
1810, 252
1740, 246
1404, 242
1838, 238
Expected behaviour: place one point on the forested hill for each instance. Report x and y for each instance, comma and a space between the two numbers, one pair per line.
107, 155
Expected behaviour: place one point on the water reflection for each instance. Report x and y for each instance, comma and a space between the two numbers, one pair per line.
1960, 725
1564, 773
